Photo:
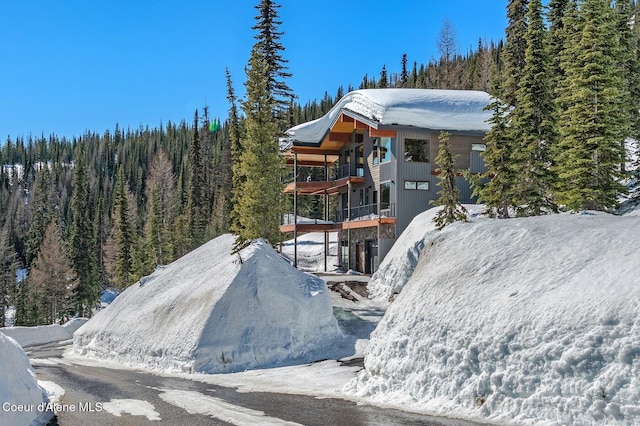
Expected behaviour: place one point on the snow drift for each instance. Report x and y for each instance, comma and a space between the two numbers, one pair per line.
43, 334
532, 320
213, 312
398, 265
20, 395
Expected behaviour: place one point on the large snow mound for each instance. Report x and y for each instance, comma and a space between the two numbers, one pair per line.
532, 320
20, 396
398, 265
214, 312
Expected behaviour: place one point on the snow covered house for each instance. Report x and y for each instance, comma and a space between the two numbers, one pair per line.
372, 158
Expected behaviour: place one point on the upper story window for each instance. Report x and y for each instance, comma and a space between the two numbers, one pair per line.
416, 150
381, 150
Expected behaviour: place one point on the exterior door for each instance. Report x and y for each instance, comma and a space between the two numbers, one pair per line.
371, 256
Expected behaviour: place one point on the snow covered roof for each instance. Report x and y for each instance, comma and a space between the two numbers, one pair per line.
456, 110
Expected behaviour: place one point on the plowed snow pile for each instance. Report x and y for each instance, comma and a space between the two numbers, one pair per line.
210, 312
527, 321
20, 395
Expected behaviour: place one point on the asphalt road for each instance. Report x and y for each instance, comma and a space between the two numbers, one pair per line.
93, 394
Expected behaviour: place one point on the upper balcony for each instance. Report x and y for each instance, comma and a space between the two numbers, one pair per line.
318, 183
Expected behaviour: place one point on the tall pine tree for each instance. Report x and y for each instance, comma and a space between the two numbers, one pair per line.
270, 48
514, 50
197, 203
593, 119
123, 234
82, 238
257, 175
532, 122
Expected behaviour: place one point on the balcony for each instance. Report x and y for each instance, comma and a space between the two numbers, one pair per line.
359, 217
317, 183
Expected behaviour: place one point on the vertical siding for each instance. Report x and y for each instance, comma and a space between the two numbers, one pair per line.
410, 203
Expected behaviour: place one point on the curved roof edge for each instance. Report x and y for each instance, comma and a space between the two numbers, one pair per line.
434, 109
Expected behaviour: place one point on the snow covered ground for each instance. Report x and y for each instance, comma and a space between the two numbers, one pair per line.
214, 312
311, 252
528, 321
20, 397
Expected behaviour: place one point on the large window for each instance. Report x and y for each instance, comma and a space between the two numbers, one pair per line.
381, 150
416, 150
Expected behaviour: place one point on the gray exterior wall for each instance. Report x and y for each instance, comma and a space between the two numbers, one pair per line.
408, 202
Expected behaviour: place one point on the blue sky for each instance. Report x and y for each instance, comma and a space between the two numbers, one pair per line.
67, 66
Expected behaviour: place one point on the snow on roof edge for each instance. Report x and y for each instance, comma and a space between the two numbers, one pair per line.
434, 109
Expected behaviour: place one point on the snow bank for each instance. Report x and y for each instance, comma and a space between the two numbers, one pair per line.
398, 265
20, 395
311, 252
532, 320
209, 312
41, 335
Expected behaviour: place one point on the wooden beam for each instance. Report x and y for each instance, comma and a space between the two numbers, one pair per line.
346, 118
313, 150
376, 133
340, 137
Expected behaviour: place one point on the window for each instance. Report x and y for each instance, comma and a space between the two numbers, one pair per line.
416, 150
478, 147
376, 151
410, 184
416, 185
385, 195
385, 149
381, 150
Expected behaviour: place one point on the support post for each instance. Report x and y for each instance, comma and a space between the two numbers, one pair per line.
295, 209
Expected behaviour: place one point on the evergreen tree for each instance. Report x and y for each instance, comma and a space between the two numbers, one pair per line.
498, 191
404, 74
629, 63
8, 266
260, 165
52, 278
82, 238
123, 234
449, 195
197, 203
384, 80
40, 214
593, 119
555, 38
514, 50
235, 137
532, 122
270, 48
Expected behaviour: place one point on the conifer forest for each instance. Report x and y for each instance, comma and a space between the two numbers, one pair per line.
100, 211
